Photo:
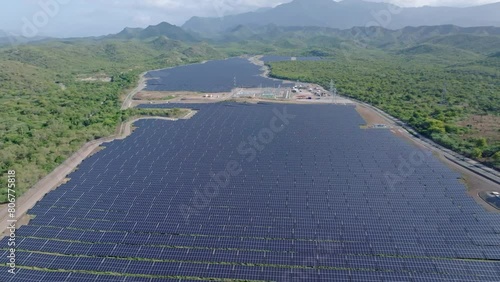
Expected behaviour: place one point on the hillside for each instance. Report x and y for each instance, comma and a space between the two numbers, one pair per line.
477, 43
347, 14
483, 40
9, 38
162, 29
321, 13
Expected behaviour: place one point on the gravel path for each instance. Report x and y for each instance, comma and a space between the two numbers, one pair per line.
128, 99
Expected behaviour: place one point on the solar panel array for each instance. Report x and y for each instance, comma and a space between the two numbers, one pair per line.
272, 58
211, 77
313, 204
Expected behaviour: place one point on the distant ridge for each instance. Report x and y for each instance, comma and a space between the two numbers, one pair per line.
162, 29
9, 38
347, 14
484, 40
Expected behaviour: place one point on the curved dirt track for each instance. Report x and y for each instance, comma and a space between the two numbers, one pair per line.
141, 85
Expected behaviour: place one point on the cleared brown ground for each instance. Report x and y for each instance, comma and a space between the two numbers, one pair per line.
154, 95
102, 77
371, 117
177, 95
487, 126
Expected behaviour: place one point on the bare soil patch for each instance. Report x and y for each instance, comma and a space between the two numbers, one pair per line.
155, 95
93, 78
487, 126
160, 97
371, 117
178, 95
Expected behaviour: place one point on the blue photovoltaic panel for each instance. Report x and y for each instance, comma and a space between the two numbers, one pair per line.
213, 76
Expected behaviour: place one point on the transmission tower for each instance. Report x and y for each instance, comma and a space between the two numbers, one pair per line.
443, 98
333, 91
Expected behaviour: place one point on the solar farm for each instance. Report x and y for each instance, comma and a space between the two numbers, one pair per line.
211, 77
259, 192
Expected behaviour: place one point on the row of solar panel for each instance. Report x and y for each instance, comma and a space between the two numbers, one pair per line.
275, 218
199, 259
294, 275
412, 232
393, 198
111, 241
164, 161
360, 235
397, 239
362, 203
197, 161
275, 224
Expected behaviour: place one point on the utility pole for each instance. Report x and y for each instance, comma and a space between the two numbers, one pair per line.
234, 92
333, 91
445, 91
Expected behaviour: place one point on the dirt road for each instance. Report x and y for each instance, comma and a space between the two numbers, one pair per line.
128, 99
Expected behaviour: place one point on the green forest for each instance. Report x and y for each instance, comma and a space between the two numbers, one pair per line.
59, 94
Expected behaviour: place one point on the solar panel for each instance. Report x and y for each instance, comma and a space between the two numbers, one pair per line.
314, 202
212, 77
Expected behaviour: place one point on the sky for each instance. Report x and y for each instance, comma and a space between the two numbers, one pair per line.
75, 18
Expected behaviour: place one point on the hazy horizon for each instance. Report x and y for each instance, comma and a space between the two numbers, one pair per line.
79, 18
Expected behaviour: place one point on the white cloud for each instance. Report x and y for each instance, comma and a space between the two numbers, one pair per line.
420, 3
206, 7
142, 19
166, 4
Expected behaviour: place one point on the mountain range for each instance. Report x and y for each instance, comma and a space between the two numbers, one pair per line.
162, 29
347, 14
10, 38
318, 40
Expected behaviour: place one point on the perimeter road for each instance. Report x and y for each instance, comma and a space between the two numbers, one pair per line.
128, 99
